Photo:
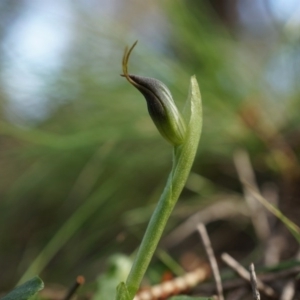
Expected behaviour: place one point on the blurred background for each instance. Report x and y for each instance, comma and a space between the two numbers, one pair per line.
82, 164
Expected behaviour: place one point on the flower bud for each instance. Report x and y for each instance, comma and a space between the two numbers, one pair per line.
161, 106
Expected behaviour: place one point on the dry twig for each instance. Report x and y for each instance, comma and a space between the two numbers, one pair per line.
274, 248
175, 286
276, 241
212, 259
288, 290
280, 274
256, 294
237, 282
225, 209
239, 269
258, 213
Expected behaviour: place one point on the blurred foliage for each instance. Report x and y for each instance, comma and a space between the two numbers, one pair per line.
80, 184
117, 272
25, 291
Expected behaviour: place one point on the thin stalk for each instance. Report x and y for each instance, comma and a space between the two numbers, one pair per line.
183, 158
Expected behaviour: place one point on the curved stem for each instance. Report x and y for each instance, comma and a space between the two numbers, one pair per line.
151, 238
183, 158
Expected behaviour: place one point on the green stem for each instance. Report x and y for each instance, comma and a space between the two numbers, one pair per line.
152, 236
183, 159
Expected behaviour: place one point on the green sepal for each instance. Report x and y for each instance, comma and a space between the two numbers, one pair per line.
160, 103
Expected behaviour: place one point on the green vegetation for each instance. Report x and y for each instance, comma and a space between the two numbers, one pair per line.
25, 291
81, 183
185, 139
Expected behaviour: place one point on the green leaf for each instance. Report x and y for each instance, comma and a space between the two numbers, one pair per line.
119, 267
189, 298
26, 290
122, 292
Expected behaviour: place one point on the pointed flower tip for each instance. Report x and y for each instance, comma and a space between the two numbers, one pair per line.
161, 106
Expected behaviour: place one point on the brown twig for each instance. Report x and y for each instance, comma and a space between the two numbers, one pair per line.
212, 259
242, 272
225, 209
256, 294
73, 289
258, 213
280, 274
274, 245
288, 290
234, 283
174, 286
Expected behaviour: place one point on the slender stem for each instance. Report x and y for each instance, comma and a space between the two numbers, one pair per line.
151, 238
182, 162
